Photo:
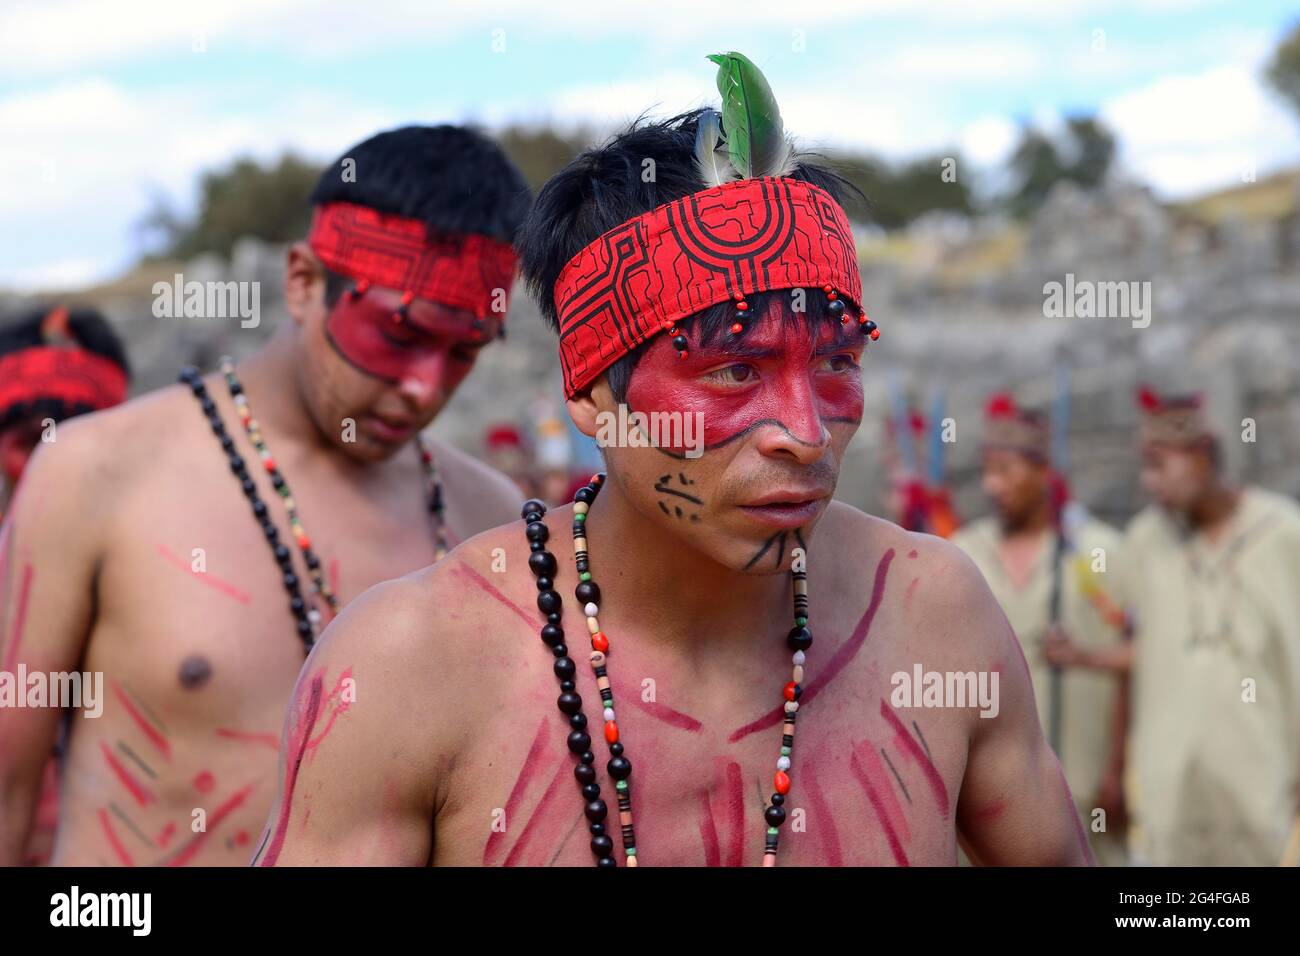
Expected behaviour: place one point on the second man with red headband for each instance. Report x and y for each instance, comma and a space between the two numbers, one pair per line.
191, 545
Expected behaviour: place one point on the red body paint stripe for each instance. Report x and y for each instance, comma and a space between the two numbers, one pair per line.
548, 798
874, 799
156, 738
465, 571
248, 736
838, 660
188, 852
709, 833
205, 577
883, 781
137, 790
674, 718
291, 775
824, 819
20, 617
735, 813
106, 825
910, 747
526, 774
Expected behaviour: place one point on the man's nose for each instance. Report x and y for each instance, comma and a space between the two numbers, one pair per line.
801, 435
424, 382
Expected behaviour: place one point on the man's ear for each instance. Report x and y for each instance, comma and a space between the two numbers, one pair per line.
585, 408
304, 282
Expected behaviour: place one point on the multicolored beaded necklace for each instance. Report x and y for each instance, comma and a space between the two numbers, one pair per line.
543, 565
309, 620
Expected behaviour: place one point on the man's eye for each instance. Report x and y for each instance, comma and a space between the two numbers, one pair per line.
737, 374
461, 354
842, 363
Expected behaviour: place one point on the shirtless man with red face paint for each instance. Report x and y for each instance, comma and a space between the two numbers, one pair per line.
175, 545
473, 742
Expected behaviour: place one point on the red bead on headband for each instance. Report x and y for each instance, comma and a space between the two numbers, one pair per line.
726, 242
374, 248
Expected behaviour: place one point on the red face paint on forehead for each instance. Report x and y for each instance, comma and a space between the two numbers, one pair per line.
364, 330
778, 372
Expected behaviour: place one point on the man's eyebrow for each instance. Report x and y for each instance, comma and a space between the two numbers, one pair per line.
758, 352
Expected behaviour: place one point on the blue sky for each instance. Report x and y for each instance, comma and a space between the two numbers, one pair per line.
104, 104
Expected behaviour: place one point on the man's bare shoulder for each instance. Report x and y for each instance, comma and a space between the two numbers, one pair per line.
930, 582
120, 442
466, 479
431, 616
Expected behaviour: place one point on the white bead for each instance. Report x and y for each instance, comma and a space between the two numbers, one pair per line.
782, 763
797, 676
314, 616
799, 658
791, 706
590, 610
609, 713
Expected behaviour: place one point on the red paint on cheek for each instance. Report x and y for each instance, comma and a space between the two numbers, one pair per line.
788, 386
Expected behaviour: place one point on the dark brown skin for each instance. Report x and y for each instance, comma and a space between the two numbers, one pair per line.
95, 575
452, 752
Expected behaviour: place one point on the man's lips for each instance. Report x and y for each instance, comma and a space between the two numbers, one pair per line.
393, 430
786, 509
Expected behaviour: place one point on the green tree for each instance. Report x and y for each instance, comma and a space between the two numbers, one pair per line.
1283, 71
898, 193
1083, 155
242, 199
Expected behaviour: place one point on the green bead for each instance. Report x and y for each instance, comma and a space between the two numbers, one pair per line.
580, 517
801, 621
630, 851
785, 751
772, 831
584, 576
620, 785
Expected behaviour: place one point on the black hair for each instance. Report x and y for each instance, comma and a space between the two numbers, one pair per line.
87, 327
453, 179
606, 186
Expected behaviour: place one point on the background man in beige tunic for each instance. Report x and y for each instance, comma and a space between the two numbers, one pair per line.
1212, 573
1014, 550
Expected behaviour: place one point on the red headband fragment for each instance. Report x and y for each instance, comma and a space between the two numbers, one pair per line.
70, 375
747, 236
392, 252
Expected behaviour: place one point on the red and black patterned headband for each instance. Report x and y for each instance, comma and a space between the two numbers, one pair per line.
73, 376
726, 242
392, 252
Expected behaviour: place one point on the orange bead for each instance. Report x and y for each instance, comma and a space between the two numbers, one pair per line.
268, 464
600, 642
827, 289
782, 782
875, 334
737, 328
304, 542
790, 688
742, 306
611, 734
682, 354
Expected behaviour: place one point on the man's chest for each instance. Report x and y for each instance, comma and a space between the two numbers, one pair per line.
868, 784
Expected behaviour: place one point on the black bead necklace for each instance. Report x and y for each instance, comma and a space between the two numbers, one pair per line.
308, 621
543, 565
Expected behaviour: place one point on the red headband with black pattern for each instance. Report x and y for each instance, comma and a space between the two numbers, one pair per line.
726, 242
73, 376
471, 272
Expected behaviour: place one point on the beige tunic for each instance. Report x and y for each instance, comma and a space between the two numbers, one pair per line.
1088, 696
1216, 685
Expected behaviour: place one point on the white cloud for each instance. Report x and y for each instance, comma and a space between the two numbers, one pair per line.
1198, 131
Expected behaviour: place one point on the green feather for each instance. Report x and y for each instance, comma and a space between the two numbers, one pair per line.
751, 121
